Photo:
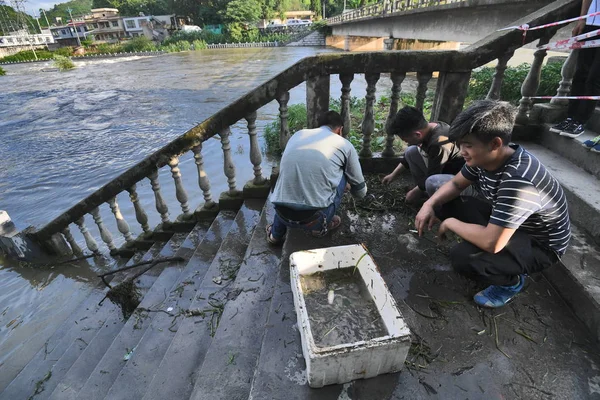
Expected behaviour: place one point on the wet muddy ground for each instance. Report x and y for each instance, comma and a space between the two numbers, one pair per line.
533, 348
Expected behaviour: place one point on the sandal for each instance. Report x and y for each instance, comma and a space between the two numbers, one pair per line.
271, 239
335, 223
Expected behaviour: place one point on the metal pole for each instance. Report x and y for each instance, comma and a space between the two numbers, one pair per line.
45, 17
74, 27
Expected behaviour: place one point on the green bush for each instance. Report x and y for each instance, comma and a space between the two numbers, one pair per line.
63, 63
27, 55
199, 45
64, 51
106, 48
296, 122
2, 71
140, 43
481, 81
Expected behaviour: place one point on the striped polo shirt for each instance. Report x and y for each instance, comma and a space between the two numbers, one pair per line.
525, 196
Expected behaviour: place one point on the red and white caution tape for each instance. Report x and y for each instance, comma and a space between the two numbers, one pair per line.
565, 97
572, 45
567, 42
526, 27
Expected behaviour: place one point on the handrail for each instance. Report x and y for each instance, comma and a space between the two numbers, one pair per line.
369, 62
311, 66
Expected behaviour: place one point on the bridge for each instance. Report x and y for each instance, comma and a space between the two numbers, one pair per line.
439, 24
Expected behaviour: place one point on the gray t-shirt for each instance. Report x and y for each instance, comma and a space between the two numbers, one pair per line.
312, 167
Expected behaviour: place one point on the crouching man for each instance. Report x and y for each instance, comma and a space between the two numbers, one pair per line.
316, 168
523, 224
429, 152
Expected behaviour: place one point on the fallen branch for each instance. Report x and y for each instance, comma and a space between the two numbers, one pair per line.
152, 264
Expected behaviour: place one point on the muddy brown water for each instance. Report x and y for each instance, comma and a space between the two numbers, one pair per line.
340, 308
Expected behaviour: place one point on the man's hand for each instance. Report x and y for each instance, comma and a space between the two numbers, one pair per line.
425, 218
443, 229
388, 178
347, 188
578, 30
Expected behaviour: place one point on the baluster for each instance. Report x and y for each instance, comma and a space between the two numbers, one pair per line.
423, 78
531, 83
180, 192
228, 166
397, 79
161, 205
122, 225
368, 123
495, 88
567, 71
89, 240
104, 233
284, 126
255, 156
346, 80
140, 213
71, 240
203, 181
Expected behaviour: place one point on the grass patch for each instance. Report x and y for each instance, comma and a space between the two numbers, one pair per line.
63, 63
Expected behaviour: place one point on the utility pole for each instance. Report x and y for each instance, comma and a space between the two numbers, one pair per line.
74, 26
45, 17
323, 10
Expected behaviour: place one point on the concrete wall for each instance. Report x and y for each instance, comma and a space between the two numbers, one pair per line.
460, 22
355, 43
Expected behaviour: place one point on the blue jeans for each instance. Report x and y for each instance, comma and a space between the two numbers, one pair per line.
320, 221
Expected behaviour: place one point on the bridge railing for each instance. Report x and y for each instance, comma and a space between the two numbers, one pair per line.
385, 8
453, 68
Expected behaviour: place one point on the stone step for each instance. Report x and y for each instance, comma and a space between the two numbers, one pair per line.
579, 282
79, 325
152, 357
153, 286
230, 362
79, 359
572, 149
71, 378
281, 369
581, 188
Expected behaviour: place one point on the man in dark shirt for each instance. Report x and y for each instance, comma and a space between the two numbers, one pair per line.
425, 156
523, 224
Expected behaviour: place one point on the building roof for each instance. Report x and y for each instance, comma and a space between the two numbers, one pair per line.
300, 13
116, 10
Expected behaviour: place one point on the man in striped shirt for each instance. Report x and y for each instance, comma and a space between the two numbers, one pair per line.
523, 224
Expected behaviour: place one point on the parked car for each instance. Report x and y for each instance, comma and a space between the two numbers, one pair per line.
298, 22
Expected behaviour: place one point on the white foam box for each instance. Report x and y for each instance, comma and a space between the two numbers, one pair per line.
349, 361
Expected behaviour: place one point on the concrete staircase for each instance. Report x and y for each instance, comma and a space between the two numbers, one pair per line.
197, 318
578, 171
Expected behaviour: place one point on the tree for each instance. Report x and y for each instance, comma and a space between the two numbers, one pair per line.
315, 6
243, 11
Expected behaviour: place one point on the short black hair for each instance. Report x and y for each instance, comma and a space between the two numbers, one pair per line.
485, 120
408, 120
330, 118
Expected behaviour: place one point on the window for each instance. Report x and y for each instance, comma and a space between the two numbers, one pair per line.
95, 26
63, 31
130, 23
10, 40
79, 29
115, 23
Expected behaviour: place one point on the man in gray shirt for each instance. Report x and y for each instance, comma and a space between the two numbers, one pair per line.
315, 170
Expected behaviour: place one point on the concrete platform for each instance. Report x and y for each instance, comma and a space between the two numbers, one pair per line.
534, 348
